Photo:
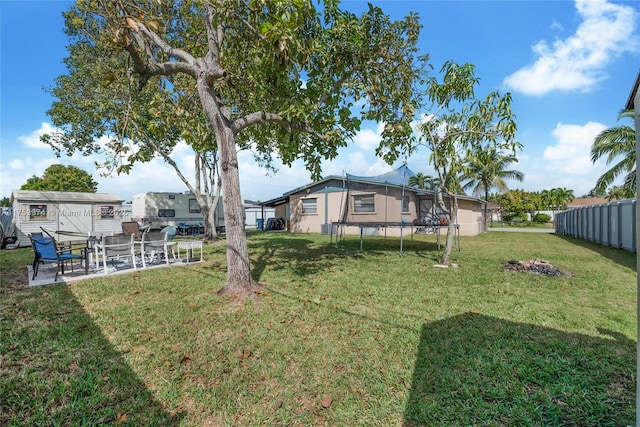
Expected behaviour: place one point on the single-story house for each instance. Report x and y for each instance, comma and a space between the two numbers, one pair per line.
383, 201
70, 215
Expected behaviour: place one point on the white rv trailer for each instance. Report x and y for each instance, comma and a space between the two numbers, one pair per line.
70, 215
159, 209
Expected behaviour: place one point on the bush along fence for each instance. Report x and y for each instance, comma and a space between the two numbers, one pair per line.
611, 224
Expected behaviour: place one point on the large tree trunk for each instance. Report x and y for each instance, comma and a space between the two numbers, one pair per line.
239, 283
238, 268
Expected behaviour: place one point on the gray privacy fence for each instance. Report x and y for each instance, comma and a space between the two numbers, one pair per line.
611, 224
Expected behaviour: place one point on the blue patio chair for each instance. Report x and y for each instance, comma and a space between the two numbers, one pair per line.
45, 249
171, 231
36, 260
183, 228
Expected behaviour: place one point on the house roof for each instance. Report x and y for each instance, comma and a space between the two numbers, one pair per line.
634, 92
64, 196
396, 178
586, 201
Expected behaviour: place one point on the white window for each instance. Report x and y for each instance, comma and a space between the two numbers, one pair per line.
310, 206
107, 212
194, 207
364, 203
167, 213
38, 212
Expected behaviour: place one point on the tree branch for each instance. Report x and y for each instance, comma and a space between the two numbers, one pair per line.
334, 88
164, 46
258, 117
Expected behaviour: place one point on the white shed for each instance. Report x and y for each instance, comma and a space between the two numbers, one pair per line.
68, 214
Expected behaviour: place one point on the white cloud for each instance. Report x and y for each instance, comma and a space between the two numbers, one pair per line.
577, 63
565, 163
571, 153
33, 139
557, 26
369, 139
16, 164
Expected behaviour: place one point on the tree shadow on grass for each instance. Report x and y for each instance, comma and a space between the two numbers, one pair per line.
304, 257
58, 369
620, 256
474, 369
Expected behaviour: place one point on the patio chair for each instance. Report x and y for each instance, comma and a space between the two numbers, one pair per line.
116, 247
36, 260
132, 227
170, 231
154, 243
45, 250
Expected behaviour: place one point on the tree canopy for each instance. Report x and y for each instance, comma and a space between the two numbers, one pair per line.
62, 178
458, 126
284, 79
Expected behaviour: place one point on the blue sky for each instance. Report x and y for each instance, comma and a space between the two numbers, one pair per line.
569, 65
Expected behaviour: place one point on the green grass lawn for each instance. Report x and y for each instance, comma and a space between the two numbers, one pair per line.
338, 337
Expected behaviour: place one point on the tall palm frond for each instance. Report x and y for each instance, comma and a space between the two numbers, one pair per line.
616, 143
487, 169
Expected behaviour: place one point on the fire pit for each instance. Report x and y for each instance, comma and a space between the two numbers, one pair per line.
537, 266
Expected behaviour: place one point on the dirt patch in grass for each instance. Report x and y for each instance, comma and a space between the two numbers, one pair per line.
15, 280
536, 266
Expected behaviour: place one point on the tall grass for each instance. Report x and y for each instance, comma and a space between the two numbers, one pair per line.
337, 337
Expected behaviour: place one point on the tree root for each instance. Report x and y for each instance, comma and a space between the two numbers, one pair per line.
240, 292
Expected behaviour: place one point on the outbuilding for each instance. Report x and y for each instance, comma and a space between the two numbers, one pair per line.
69, 215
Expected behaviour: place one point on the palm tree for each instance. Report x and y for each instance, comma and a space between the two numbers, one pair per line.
617, 143
618, 193
487, 169
560, 197
546, 200
422, 181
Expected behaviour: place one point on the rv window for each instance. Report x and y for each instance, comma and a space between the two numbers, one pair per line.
364, 203
38, 212
167, 213
172, 196
106, 212
194, 207
309, 206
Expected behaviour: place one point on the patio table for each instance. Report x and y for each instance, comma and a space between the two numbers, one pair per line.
189, 246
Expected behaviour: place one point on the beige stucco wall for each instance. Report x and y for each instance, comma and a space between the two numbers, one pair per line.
388, 206
470, 217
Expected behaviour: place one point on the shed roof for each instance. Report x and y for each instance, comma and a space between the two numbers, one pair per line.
64, 196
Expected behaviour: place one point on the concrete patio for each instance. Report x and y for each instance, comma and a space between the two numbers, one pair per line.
47, 272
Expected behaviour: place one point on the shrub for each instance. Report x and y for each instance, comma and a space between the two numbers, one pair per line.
516, 218
542, 218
